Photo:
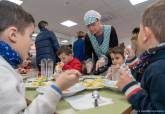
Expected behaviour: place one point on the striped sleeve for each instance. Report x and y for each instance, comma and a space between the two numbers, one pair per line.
131, 89
133, 62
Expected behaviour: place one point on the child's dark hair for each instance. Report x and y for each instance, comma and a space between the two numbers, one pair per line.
64, 49
153, 18
136, 30
135, 33
12, 14
118, 49
42, 24
80, 34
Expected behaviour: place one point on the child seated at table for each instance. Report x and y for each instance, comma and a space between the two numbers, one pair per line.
132, 59
67, 60
148, 96
16, 29
117, 57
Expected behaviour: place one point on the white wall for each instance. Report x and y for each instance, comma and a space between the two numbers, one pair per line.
126, 41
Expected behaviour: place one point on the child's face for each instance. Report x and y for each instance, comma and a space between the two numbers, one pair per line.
134, 46
65, 58
140, 40
24, 41
146, 39
117, 58
20, 42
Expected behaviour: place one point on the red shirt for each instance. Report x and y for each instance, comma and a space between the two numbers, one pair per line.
73, 64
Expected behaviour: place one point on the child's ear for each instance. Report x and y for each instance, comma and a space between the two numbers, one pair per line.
147, 33
12, 34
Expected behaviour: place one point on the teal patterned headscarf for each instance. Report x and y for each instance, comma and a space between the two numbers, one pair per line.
91, 17
104, 47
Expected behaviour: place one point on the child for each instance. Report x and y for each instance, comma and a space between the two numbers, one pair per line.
134, 37
16, 29
117, 57
148, 96
67, 60
132, 52
132, 59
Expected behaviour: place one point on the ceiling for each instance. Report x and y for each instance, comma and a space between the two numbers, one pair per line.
119, 13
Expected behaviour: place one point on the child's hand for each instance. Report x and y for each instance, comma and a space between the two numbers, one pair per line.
109, 73
117, 66
124, 79
61, 64
112, 71
67, 79
59, 67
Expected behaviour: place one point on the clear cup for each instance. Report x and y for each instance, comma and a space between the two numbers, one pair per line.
113, 74
43, 67
50, 64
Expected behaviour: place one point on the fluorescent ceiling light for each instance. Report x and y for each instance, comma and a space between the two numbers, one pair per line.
135, 2
68, 23
19, 2
64, 41
34, 34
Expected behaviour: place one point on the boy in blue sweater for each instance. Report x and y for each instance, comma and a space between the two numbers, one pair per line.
148, 96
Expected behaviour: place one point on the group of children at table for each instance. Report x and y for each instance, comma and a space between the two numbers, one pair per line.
144, 90
68, 62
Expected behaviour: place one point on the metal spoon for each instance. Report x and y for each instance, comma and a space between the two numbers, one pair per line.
96, 96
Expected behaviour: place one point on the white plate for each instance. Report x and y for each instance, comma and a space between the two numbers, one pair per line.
110, 84
31, 79
92, 76
73, 90
30, 86
42, 89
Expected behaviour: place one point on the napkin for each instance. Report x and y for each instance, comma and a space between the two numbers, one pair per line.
83, 102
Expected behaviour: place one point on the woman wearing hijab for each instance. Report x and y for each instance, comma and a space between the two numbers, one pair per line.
99, 39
